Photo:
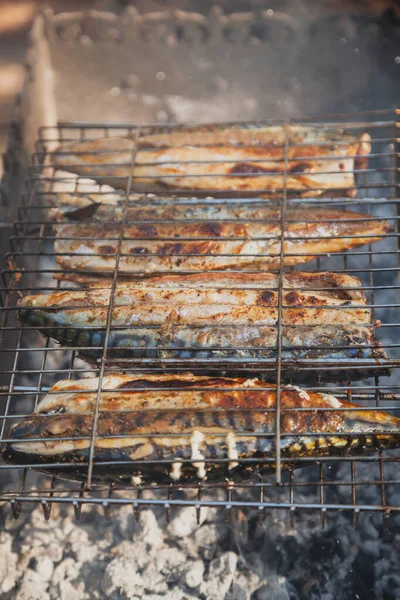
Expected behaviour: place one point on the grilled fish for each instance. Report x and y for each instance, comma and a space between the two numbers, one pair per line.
222, 158
181, 428
213, 315
175, 237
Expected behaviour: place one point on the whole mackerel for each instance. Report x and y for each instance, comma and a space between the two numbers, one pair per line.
248, 157
215, 315
184, 237
163, 429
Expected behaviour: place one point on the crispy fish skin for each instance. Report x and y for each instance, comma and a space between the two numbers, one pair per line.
243, 157
170, 428
220, 237
215, 315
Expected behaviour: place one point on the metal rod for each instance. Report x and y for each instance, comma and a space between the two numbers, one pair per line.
280, 314
108, 329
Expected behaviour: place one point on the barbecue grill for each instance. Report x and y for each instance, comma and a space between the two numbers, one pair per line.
210, 61
31, 365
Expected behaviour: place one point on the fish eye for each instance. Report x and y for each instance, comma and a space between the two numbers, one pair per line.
56, 410
59, 427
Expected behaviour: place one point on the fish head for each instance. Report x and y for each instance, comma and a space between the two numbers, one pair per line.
32, 317
48, 434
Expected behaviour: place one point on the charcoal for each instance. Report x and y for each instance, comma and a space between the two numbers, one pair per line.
274, 588
236, 593
220, 576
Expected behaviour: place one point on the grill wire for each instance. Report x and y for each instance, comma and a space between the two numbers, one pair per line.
31, 364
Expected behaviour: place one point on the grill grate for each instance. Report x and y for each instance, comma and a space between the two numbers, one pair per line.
31, 364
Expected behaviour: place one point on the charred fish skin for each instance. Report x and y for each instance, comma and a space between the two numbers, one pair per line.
148, 454
190, 429
161, 468
149, 470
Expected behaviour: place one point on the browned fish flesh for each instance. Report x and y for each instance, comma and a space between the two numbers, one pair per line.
247, 157
190, 237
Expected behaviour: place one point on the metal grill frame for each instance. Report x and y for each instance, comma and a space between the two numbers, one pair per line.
236, 494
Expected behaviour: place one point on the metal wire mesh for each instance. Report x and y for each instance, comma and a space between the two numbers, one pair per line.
32, 363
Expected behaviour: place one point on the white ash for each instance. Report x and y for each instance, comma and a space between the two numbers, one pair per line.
32, 587
8, 563
116, 559
119, 558
186, 524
